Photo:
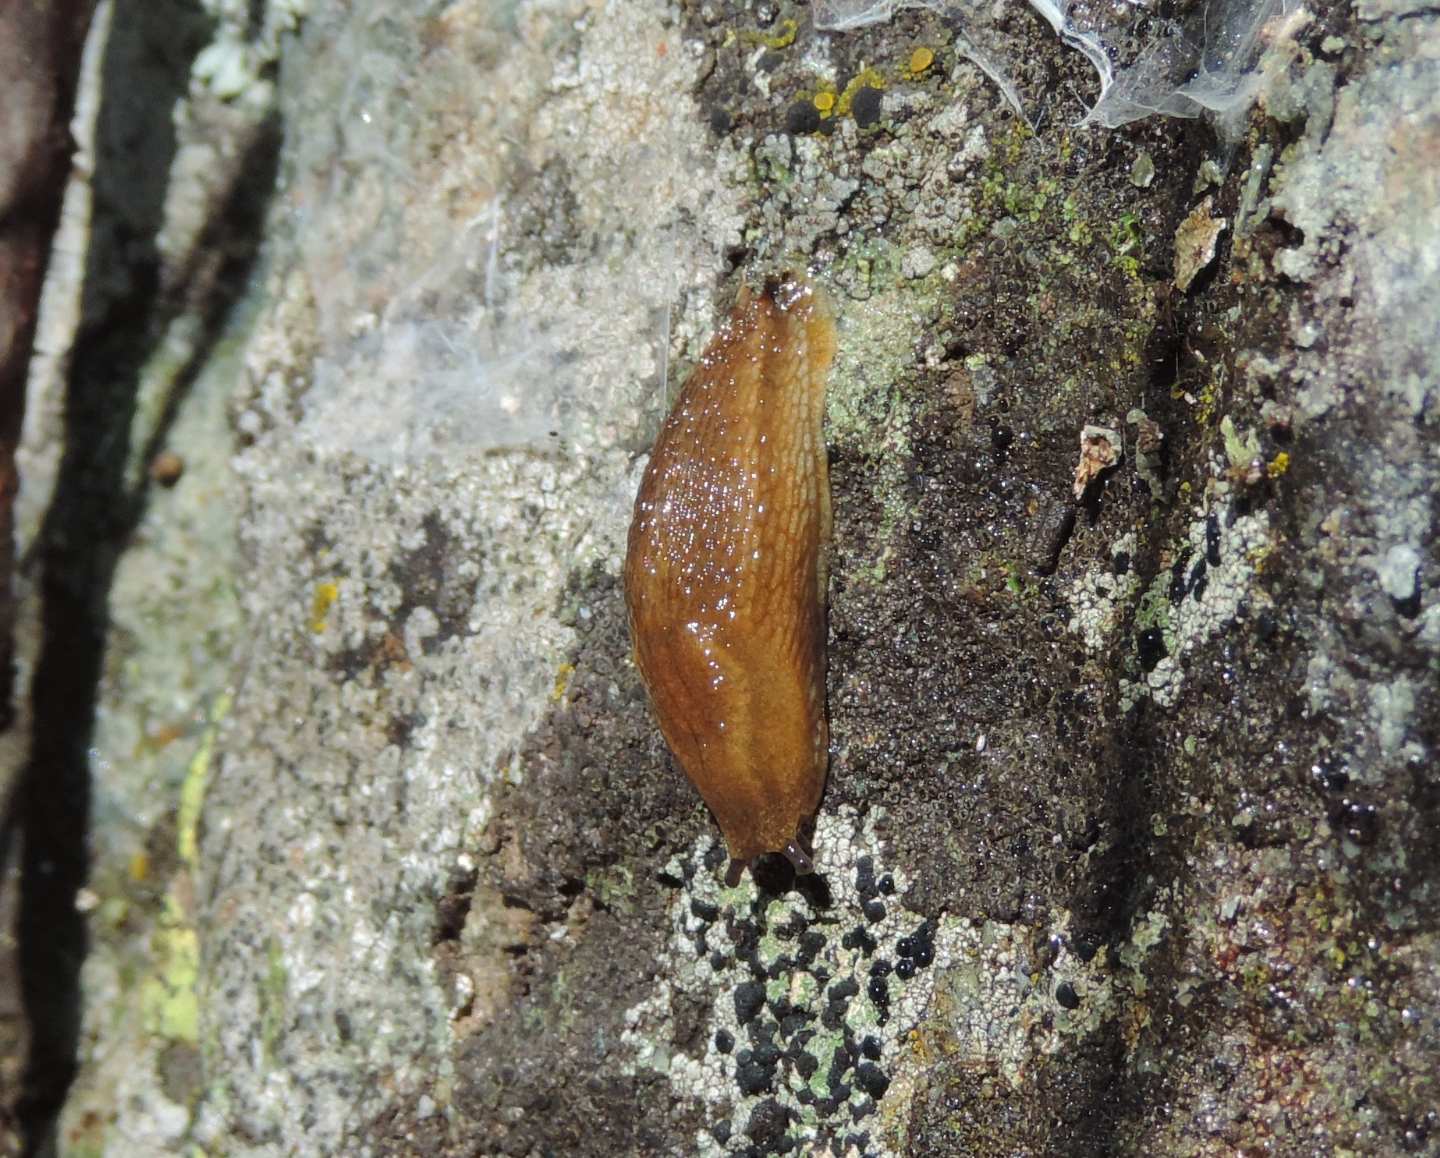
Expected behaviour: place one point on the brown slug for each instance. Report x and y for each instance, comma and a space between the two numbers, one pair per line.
725, 572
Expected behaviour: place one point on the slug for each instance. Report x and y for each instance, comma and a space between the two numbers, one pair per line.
725, 572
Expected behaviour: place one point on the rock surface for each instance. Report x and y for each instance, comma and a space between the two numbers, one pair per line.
1130, 839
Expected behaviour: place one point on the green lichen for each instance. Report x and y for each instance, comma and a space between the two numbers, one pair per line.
613, 887
169, 1004
192, 790
167, 992
273, 994
1127, 245
869, 405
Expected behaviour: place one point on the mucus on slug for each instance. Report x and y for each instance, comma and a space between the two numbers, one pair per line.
725, 571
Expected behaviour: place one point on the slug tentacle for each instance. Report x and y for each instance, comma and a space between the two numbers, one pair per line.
725, 570
798, 857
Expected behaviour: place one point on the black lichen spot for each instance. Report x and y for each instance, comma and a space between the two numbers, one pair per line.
751, 1076
454, 908
862, 1109
1150, 647
721, 1131
717, 961
1120, 564
865, 877
871, 1078
1266, 625
766, 1053
720, 120
1212, 540
431, 576
1067, 997
749, 997
801, 118
865, 106
874, 911
887, 885
922, 945
704, 911
806, 1064
881, 968
870, 1047
809, 948
1329, 776
879, 992
859, 938
1178, 580
724, 1040
1085, 947
1198, 580
1052, 532
793, 1022
715, 857
905, 968
1359, 821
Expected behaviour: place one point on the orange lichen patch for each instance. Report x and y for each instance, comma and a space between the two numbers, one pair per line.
725, 572
390, 652
157, 739
920, 60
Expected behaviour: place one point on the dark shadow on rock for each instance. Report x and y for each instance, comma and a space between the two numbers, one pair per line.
93, 515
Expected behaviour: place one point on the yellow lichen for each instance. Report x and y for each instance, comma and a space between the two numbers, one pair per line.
168, 1000
824, 103
921, 59
866, 78
1279, 464
783, 38
325, 595
562, 681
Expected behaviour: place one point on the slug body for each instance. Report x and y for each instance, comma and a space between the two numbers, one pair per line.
725, 573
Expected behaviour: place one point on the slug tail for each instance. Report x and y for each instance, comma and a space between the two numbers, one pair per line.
735, 872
